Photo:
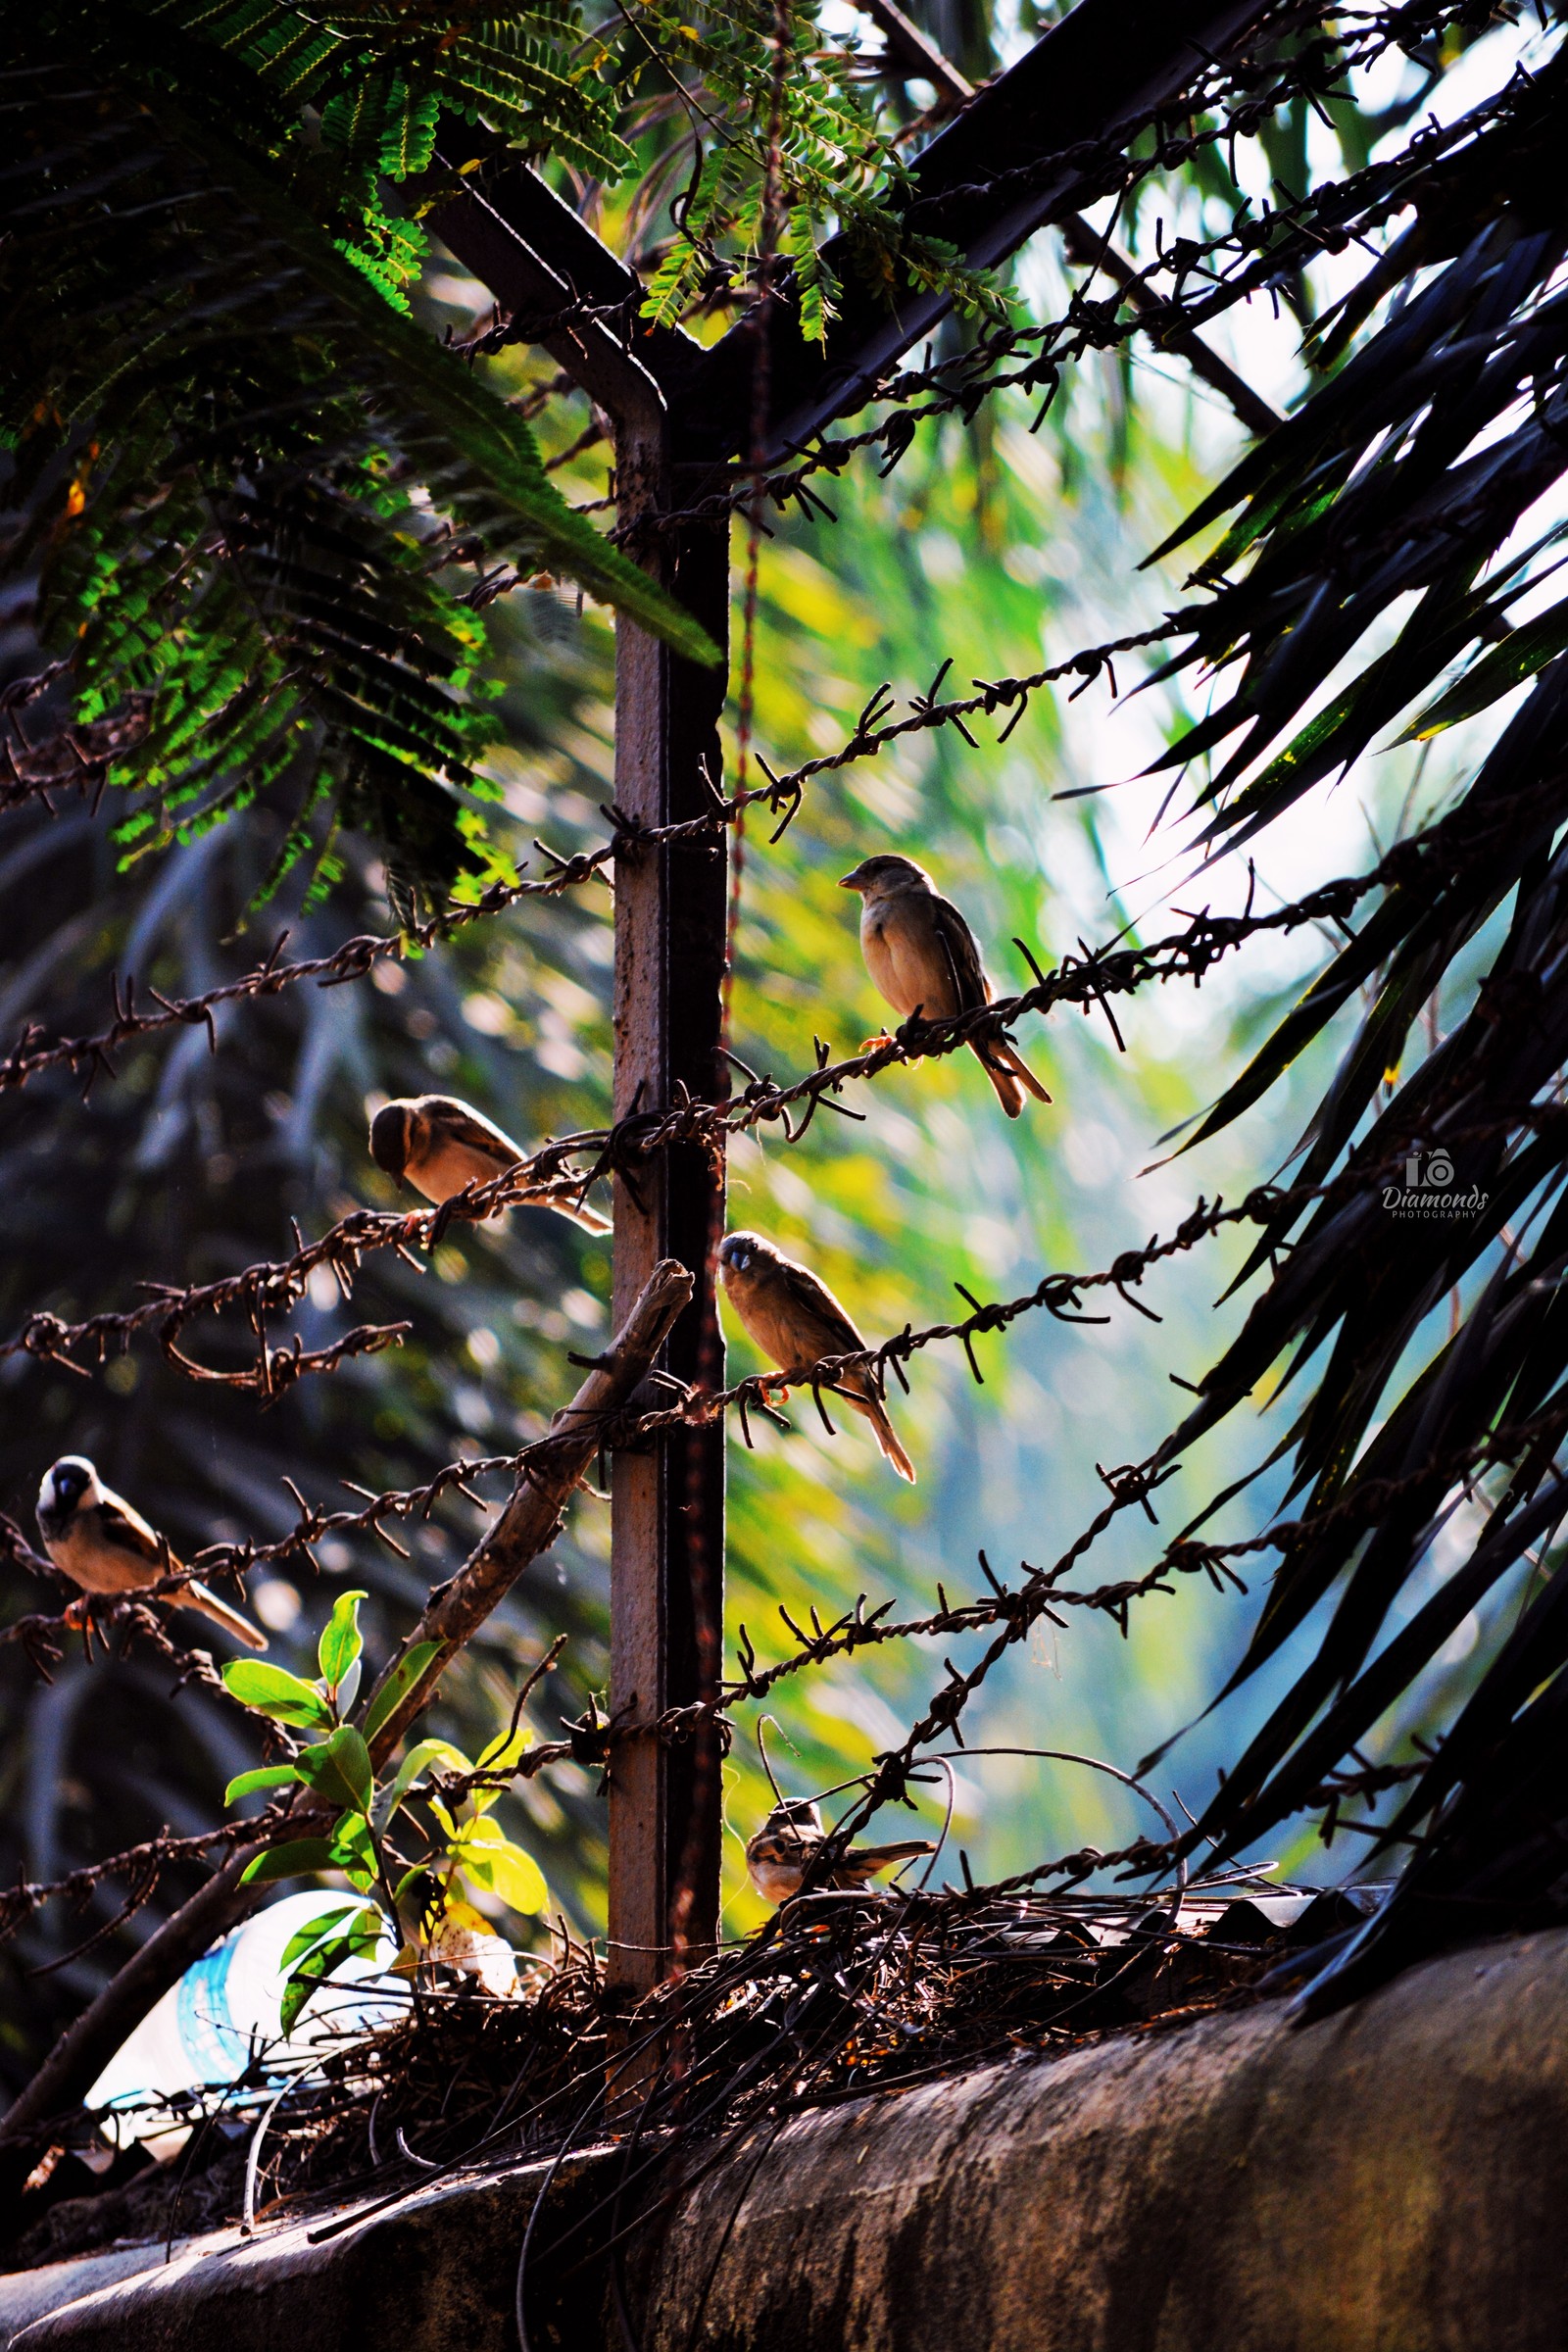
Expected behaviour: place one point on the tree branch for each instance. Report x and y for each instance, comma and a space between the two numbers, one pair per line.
532, 1519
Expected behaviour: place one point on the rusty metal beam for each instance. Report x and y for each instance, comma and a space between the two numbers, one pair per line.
1107, 63
667, 1519
910, 49
540, 261
667, 1508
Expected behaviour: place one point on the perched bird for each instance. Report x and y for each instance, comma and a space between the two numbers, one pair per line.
441, 1146
796, 1320
924, 955
792, 1835
105, 1546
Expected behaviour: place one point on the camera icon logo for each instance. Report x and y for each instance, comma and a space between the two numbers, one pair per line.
1427, 1190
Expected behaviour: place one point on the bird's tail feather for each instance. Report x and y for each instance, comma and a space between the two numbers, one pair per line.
577, 1210
1021, 1071
1009, 1092
873, 1857
1010, 1074
197, 1596
887, 1437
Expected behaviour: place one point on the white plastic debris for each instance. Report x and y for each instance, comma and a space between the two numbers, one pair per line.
225, 2011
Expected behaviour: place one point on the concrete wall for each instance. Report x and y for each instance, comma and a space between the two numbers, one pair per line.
1395, 2178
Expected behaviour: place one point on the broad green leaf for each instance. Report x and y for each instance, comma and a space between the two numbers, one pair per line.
296, 1992
329, 1955
316, 1931
398, 1683
264, 1776
481, 1831
273, 1691
339, 1770
352, 1846
365, 1933
506, 1870
341, 1639
289, 1861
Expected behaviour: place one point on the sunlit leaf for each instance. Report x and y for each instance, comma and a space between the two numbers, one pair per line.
487, 1857
507, 1871
325, 1957
339, 1769
264, 1776
316, 1931
420, 1757
398, 1683
273, 1690
502, 1753
341, 1641
289, 1861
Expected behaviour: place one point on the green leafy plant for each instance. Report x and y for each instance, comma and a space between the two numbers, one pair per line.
419, 1894
783, 146
248, 487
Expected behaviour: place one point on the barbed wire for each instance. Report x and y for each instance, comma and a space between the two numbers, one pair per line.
25, 1896
1060, 1294
1017, 1609
359, 957
73, 757
1042, 1593
562, 1172
1344, 200
351, 961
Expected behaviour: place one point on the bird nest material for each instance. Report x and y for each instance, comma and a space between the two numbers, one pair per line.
843, 1994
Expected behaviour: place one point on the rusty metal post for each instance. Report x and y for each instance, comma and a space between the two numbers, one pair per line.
667, 1512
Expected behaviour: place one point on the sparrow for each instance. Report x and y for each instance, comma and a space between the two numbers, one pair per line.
792, 1835
796, 1320
441, 1146
922, 955
102, 1545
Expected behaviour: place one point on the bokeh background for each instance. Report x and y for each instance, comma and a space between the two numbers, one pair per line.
997, 546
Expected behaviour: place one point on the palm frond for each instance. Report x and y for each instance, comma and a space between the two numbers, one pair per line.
1411, 470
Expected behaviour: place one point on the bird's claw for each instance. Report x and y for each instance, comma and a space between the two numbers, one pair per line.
870, 1045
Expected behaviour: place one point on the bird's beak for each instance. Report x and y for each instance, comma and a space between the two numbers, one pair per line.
851, 881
